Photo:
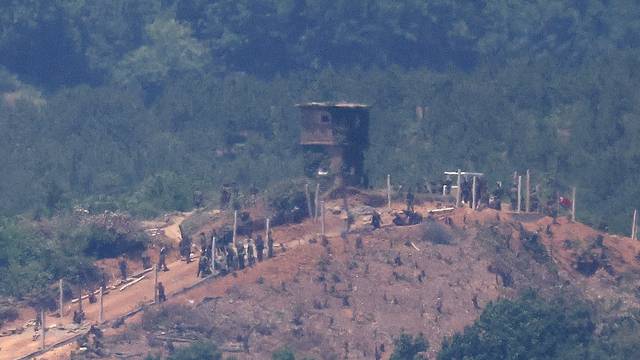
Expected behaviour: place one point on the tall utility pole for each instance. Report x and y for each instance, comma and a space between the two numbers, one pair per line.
389, 191
308, 198
322, 218
473, 195
101, 310
43, 330
527, 198
519, 193
573, 204
316, 203
235, 224
60, 298
459, 192
155, 284
634, 225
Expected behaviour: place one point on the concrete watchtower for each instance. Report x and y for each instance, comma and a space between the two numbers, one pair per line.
334, 137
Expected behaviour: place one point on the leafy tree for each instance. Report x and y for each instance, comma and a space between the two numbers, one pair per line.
407, 347
171, 50
527, 328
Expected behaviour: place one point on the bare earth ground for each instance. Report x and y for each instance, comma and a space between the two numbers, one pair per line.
340, 301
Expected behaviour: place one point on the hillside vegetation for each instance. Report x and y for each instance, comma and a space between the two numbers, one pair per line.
132, 105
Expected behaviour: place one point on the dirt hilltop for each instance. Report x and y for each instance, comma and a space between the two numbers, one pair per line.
359, 290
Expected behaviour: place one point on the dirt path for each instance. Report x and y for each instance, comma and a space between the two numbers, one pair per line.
118, 303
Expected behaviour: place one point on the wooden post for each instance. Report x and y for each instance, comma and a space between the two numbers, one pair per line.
527, 195
573, 204
213, 254
519, 193
389, 191
316, 202
101, 310
80, 300
235, 224
266, 232
43, 329
634, 226
308, 197
473, 196
322, 218
458, 193
60, 299
155, 284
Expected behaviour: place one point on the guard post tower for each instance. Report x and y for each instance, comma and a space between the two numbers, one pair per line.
334, 137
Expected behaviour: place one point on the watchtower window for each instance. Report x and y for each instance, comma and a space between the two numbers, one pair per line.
325, 119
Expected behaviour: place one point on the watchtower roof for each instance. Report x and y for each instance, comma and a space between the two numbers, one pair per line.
332, 105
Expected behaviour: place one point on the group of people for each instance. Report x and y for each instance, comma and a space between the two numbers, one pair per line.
215, 255
485, 197
237, 256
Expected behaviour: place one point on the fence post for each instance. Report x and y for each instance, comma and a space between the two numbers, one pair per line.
80, 301
235, 224
573, 204
101, 311
43, 329
155, 284
389, 191
322, 217
266, 232
60, 298
519, 193
527, 199
634, 226
458, 193
308, 198
473, 196
316, 203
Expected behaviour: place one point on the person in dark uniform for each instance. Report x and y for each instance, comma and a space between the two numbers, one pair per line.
203, 244
410, 200
225, 196
230, 258
259, 247
162, 261
162, 297
185, 245
270, 246
122, 265
203, 266
376, 220
146, 261
240, 256
250, 257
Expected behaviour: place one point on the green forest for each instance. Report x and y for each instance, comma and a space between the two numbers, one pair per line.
134, 105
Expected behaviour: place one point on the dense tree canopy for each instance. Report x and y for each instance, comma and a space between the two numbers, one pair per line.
533, 328
134, 104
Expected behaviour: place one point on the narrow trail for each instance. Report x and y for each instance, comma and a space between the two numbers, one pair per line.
119, 303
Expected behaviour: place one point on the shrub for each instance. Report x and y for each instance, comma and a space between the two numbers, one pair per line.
287, 201
8, 312
103, 242
435, 233
283, 354
197, 351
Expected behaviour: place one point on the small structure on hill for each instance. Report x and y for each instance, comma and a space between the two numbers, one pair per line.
334, 137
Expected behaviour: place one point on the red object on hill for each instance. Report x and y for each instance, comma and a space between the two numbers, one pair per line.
566, 203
